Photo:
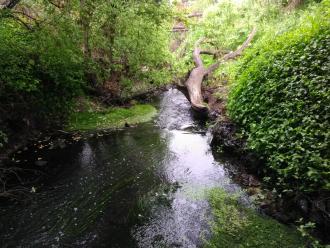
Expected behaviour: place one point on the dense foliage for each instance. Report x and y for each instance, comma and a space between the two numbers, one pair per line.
40, 71
53, 51
281, 100
224, 26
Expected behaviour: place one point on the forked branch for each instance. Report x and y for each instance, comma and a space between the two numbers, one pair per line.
196, 76
234, 54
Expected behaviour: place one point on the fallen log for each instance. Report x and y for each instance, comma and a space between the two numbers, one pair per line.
197, 75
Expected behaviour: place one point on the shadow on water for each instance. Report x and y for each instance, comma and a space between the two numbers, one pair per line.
137, 187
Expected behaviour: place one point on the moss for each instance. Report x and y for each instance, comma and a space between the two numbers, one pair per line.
111, 117
235, 225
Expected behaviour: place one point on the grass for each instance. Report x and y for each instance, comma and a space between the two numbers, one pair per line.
110, 117
235, 225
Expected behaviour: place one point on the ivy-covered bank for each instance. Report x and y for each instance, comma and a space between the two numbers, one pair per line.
281, 101
278, 110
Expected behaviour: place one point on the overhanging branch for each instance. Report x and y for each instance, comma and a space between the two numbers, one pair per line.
234, 54
197, 75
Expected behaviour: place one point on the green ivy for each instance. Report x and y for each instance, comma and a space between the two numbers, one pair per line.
281, 99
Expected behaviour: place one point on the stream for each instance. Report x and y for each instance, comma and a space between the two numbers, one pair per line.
144, 186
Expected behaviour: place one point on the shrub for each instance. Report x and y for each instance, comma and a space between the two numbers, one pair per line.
281, 100
41, 72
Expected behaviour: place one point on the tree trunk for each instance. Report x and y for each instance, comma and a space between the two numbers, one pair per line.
85, 24
196, 76
86, 12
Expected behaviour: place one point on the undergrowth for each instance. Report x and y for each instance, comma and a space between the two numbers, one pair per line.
281, 100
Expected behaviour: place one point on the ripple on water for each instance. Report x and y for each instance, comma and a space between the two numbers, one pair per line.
190, 163
137, 187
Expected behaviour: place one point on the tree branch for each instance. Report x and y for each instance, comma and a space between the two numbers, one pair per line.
195, 15
196, 54
214, 53
57, 5
235, 54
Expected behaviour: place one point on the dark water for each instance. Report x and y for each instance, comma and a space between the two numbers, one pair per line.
138, 187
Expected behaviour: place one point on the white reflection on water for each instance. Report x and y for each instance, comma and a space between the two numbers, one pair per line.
190, 164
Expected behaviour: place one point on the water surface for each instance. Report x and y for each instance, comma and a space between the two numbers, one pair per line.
138, 187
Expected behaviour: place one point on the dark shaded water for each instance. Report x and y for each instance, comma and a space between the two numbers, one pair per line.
138, 187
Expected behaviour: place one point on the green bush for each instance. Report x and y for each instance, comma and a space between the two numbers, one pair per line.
49, 58
281, 99
41, 71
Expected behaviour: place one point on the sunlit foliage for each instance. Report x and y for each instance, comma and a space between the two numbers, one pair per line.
281, 100
53, 51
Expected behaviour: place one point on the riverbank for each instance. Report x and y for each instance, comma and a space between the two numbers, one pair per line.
113, 117
90, 117
285, 206
291, 208
112, 112
236, 225
276, 119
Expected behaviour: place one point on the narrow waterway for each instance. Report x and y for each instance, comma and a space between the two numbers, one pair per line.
138, 187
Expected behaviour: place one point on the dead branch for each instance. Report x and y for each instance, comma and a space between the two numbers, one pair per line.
234, 54
196, 54
198, 14
196, 76
214, 53
57, 4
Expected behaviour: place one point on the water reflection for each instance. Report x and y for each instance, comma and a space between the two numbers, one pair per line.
190, 163
138, 187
